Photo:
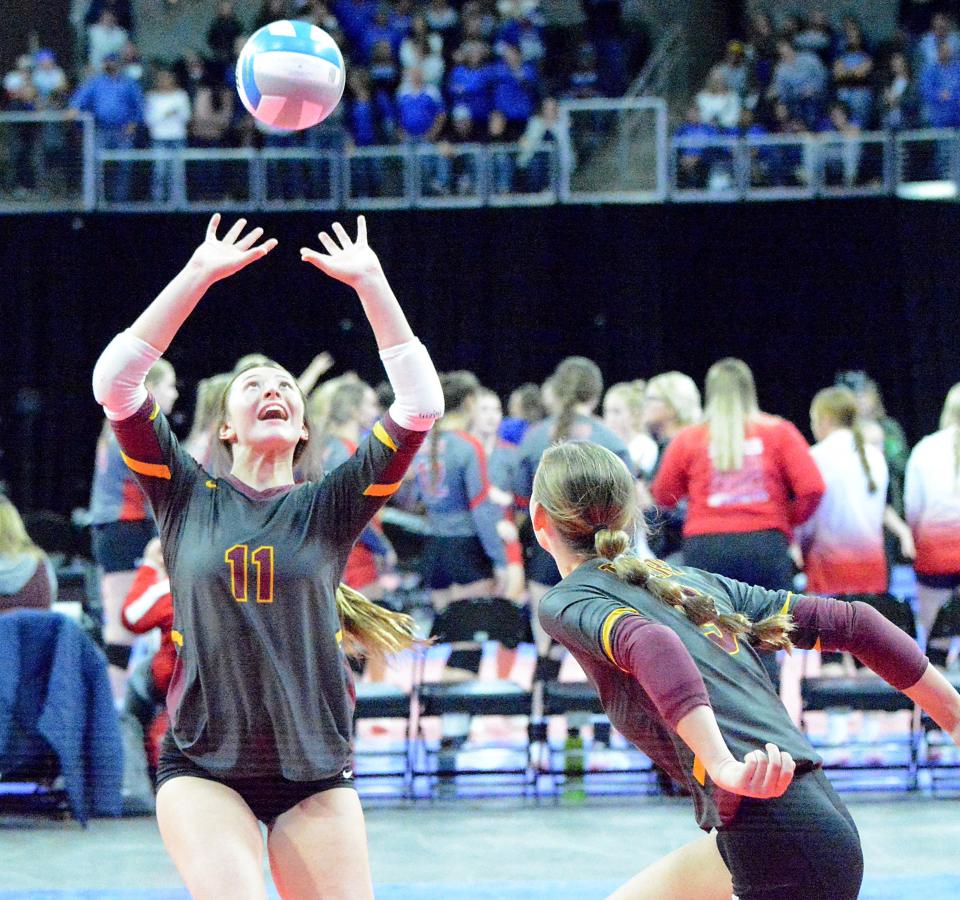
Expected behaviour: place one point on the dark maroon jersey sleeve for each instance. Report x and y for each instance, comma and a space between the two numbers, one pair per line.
658, 659
350, 495
859, 629
152, 452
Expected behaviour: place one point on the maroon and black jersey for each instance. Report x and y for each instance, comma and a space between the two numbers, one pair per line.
583, 613
260, 686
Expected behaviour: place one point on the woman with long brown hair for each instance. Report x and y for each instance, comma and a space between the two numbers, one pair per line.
576, 386
260, 697
672, 654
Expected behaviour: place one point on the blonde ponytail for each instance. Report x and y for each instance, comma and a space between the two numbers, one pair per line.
371, 630
731, 403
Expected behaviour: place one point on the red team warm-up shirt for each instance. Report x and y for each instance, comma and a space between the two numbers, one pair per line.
149, 605
778, 487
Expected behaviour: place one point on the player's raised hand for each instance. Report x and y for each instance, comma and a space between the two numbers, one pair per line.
220, 258
352, 262
762, 774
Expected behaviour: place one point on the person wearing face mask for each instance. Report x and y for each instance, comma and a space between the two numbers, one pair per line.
260, 699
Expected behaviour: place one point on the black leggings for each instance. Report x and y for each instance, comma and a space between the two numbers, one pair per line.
801, 846
754, 557
761, 558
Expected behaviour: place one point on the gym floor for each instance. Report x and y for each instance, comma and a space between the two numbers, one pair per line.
501, 848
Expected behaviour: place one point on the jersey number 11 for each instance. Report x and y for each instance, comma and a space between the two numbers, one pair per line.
237, 558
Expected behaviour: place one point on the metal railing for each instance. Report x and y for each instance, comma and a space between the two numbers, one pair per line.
602, 151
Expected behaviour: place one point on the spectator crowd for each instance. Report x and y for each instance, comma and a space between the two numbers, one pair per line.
808, 75
419, 73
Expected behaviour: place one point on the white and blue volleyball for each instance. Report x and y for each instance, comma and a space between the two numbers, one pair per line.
290, 75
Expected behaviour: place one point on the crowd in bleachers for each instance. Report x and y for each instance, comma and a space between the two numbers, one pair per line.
809, 75
427, 73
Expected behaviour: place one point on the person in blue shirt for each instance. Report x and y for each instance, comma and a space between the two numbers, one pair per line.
116, 103
469, 82
940, 90
515, 90
422, 115
853, 72
366, 174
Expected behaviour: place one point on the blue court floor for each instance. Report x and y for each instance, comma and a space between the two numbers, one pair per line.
469, 849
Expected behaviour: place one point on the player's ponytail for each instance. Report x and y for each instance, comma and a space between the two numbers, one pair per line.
372, 630
839, 405
731, 403
576, 381
590, 498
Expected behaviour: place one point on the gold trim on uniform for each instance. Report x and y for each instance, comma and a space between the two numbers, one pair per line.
786, 604
699, 771
154, 470
210, 483
176, 637
607, 630
155, 411
380, 433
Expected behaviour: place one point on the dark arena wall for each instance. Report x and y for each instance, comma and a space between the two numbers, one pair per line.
798, 290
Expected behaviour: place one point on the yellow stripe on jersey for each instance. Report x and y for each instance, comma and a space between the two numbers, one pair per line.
210, 483
155, 411
786, 604
176, 637
339, 636
380, 433
154, 470
382, 490
699, 771
607, 631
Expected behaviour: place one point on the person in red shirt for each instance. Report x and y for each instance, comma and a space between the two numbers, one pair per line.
148, 605
749, 480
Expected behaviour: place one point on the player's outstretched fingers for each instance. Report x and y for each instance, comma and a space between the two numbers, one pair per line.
787, 768
361, 230
261, 251
212, 226
341, 233
249, 240
235, 231
329, 244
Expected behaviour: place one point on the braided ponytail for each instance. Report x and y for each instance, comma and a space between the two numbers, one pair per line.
590, 498
861, 446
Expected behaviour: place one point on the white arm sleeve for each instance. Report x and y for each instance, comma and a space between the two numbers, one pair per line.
119, 374
418, 397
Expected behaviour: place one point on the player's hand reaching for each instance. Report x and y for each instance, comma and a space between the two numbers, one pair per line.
762, 774
352, 262
219, 258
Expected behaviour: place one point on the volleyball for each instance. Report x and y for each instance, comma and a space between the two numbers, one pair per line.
290, 75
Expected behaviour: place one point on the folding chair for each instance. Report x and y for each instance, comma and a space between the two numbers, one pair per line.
381, 700
466, 625
865, 692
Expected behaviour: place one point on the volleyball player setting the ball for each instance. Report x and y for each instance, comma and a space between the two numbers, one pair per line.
259, 699
671, 654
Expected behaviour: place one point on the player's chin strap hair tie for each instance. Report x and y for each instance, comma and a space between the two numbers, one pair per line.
598, 528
